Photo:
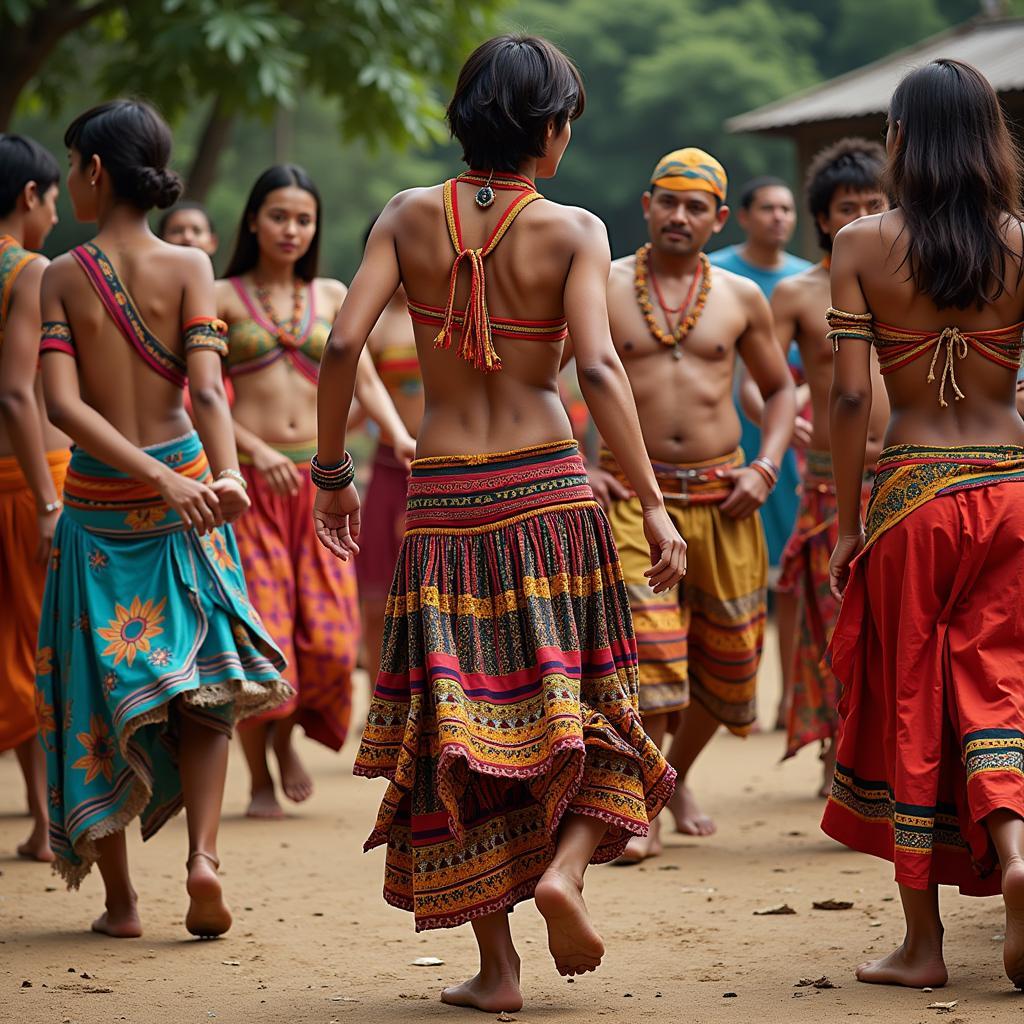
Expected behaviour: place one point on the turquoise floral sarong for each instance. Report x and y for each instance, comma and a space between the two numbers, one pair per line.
138, 611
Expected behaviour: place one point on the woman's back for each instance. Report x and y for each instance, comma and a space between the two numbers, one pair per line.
876, 248
157, 280
525, 279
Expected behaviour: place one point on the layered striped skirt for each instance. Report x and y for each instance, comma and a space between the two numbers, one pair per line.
143, 621
507, 695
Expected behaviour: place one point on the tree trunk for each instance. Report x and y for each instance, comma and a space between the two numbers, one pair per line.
214, 138
25, 48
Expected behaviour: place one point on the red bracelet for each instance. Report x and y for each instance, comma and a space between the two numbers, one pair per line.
765, 475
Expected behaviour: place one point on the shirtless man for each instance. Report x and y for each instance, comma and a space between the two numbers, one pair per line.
842, 186
678, 325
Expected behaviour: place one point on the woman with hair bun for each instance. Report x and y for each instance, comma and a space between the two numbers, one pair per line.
279, 313
149, 650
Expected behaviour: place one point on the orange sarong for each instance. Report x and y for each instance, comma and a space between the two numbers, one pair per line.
928, 651
21, 582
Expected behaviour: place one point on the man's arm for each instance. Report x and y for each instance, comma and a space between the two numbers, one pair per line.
767, 367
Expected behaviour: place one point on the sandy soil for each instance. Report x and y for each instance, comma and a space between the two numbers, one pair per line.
314, 942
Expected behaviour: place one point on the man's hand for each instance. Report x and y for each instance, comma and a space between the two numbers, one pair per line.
750, 491
607, 488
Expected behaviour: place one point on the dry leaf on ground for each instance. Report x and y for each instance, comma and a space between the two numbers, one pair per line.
832, 904
781, 908
426, 961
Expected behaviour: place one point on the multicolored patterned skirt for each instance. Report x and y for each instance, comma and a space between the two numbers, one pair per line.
383, 525
928, 651
814, 712
138, 611
307, 600
705, 639
507, 696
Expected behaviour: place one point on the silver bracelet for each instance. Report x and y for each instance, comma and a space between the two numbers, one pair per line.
234, 474
53, 506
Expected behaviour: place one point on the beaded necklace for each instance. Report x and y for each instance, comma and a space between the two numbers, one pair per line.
672, 339
287, 330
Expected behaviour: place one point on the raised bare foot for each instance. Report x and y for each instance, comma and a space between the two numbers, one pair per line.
263, 804
295, 780
36, 848
690, 819
1013, 945
572, 939
119, 922
828, 769
639, 848
918, 970
497, 994
208, 915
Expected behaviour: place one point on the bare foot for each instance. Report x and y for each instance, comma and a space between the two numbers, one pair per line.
119, 923
639, 848
690, 820
295, 780
925, 969
1013, 945
497, 994
263, 804
828, 769
36, 848
572, 940
208, 915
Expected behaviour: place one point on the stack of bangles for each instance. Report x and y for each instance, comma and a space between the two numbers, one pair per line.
768, 470
233, 474
332, 478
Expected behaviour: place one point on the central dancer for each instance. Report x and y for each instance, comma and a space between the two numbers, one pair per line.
505, 713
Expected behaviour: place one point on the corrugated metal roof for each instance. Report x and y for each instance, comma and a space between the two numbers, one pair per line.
995, 46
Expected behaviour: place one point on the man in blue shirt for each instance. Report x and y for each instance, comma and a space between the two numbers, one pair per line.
767, 215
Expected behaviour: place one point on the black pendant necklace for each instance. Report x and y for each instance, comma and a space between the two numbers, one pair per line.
485, 195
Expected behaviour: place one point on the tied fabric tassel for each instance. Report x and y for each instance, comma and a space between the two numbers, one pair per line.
477, 344
956, 345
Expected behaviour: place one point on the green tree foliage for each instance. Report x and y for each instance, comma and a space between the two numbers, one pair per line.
661, 74
382, 59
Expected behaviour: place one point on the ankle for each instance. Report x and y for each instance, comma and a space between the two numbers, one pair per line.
566, 872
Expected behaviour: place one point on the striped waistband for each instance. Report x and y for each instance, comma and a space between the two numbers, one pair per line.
300, 452
688, 483
12, 479
908, 476
456, 494
105, 501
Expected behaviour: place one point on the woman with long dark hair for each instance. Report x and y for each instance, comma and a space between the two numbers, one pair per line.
279, 313
505, 712
149, 650
929, 639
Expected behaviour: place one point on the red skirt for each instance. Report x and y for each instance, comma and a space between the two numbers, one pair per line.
928, 648
308, 602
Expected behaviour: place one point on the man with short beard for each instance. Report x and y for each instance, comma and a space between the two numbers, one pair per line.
678, 325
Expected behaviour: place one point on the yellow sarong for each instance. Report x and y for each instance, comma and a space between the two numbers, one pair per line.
705, 638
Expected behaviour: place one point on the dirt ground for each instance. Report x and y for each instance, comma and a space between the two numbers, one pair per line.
314, 942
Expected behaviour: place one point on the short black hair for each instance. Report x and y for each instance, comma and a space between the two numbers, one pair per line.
247, 248
23, 160
748, 194
134, 144
185, 204
852, 163
508, 90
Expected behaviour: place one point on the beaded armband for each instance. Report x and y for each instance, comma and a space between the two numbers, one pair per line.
204, 332
849, 325
56, 337
332, 478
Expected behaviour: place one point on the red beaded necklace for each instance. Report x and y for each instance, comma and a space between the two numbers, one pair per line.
287, 330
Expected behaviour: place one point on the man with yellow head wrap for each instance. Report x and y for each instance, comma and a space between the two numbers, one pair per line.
678, 325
